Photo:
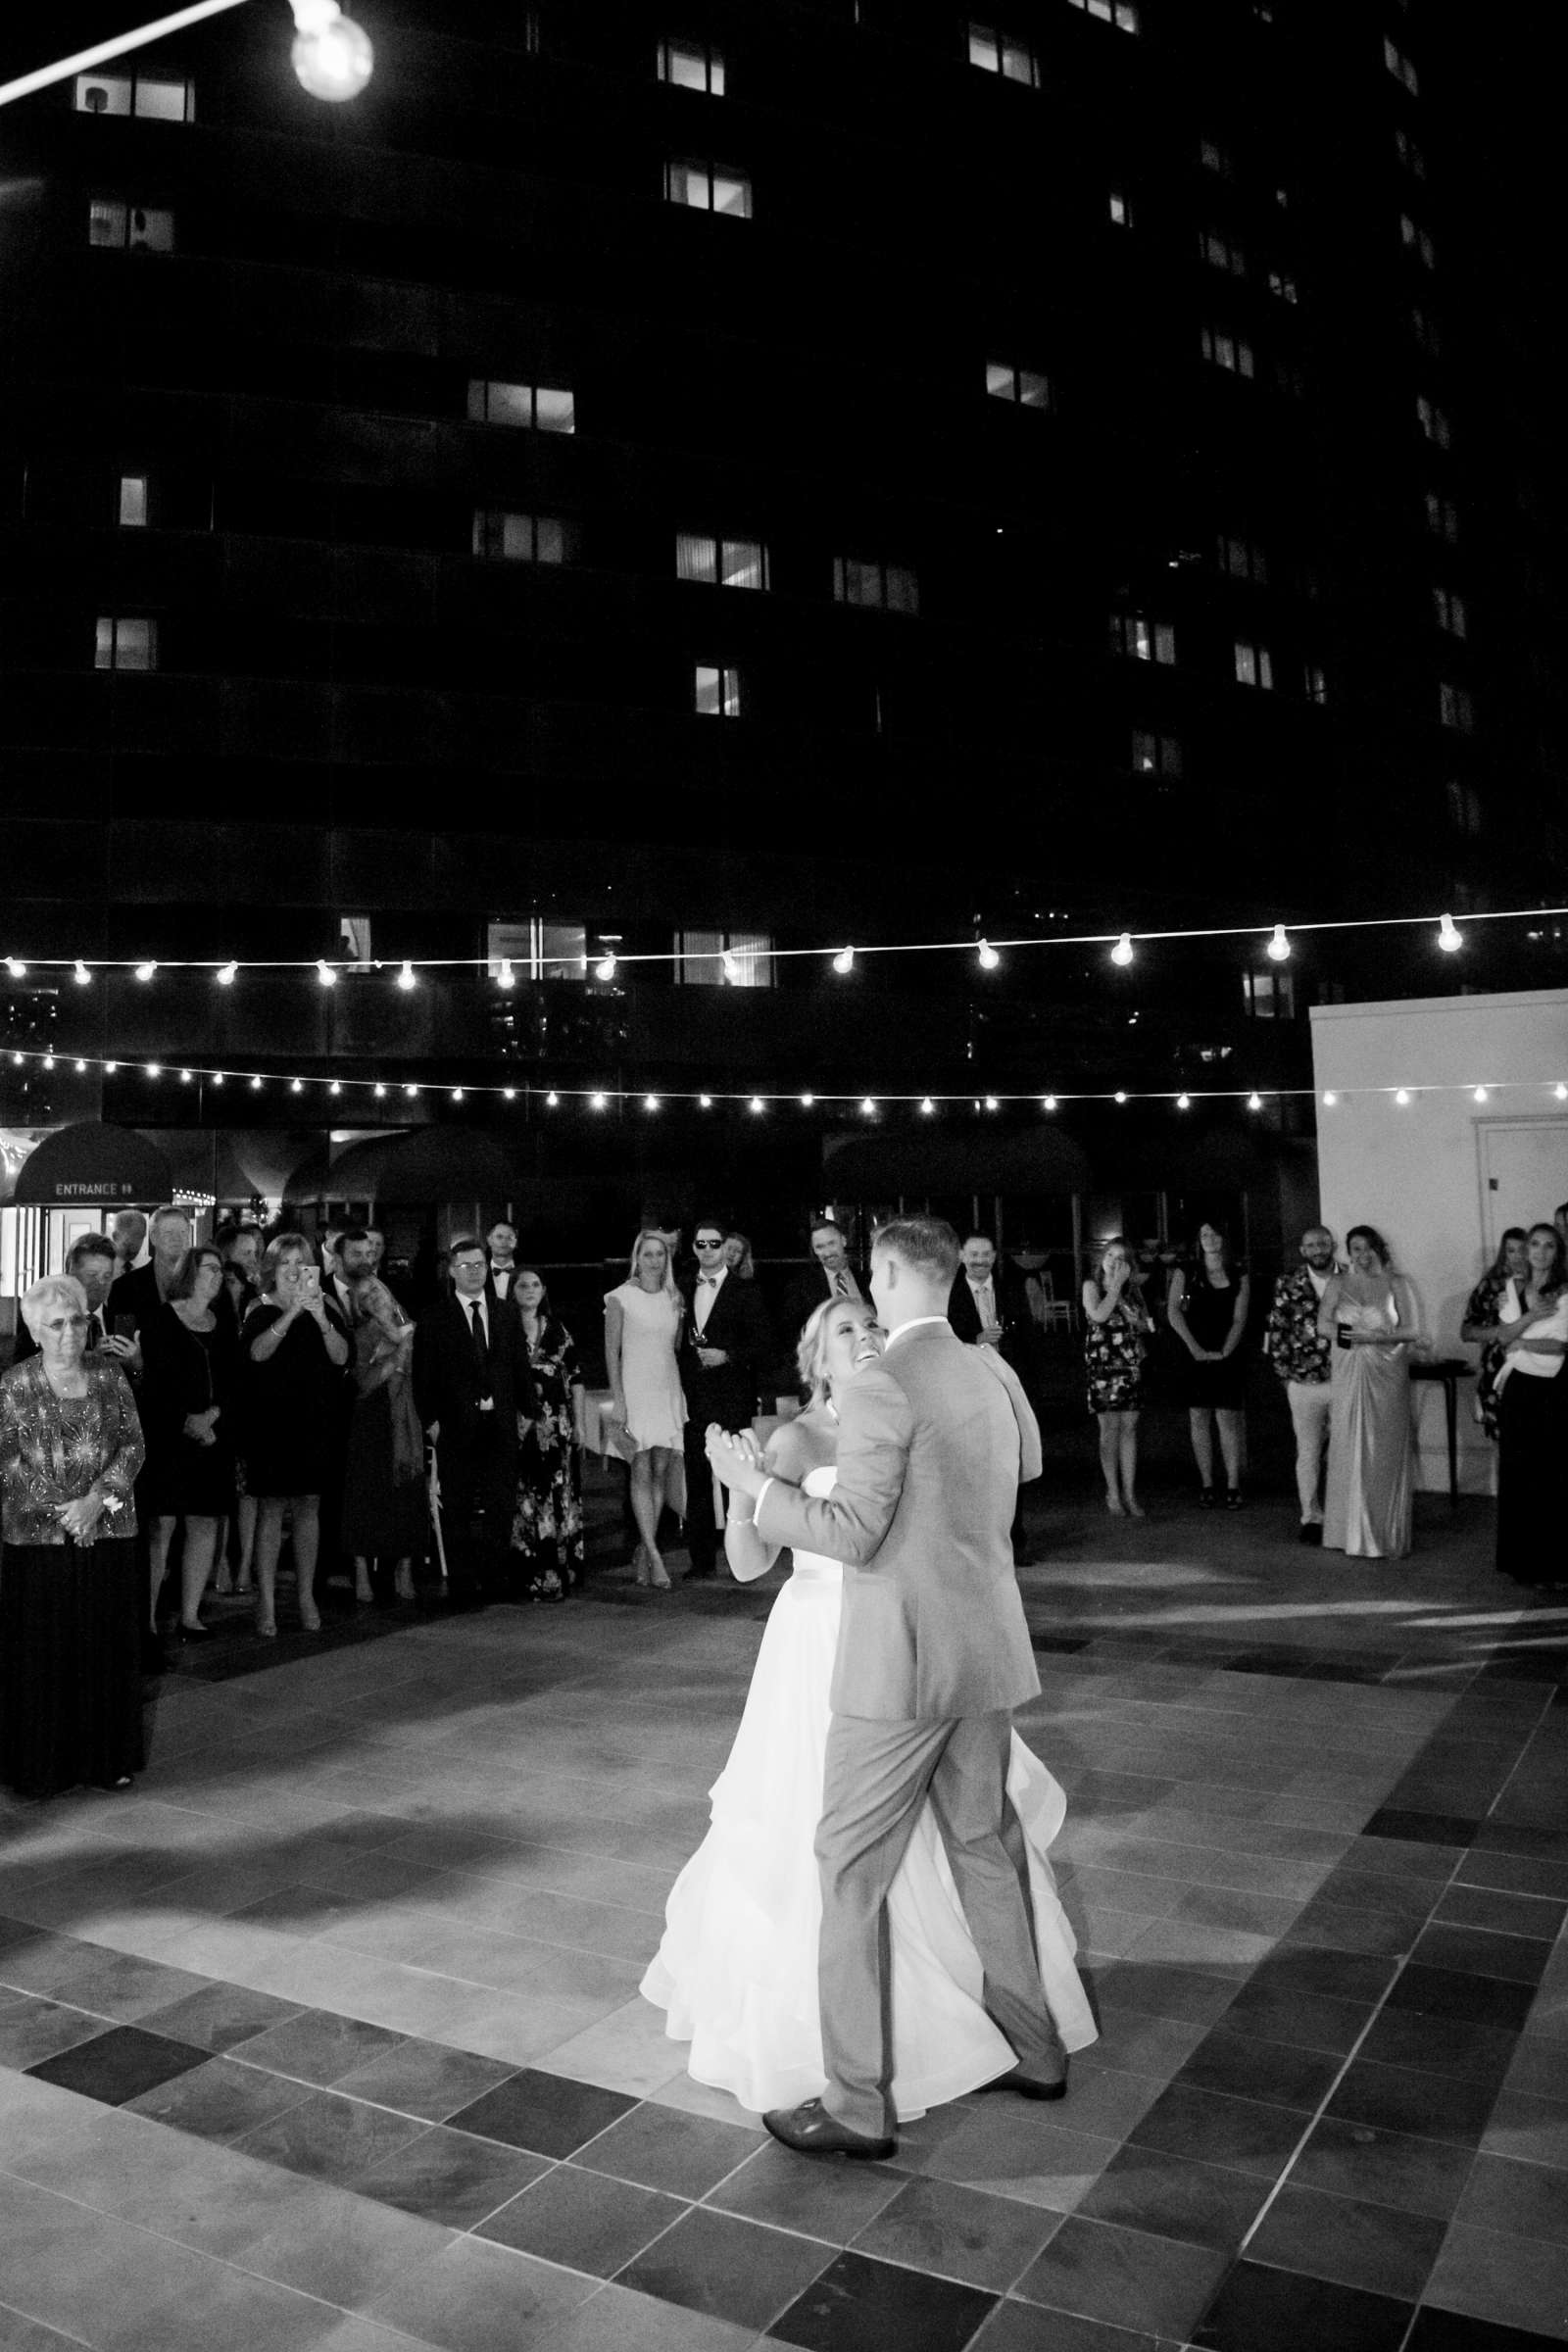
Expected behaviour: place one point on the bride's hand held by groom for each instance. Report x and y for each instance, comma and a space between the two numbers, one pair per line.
736, 1459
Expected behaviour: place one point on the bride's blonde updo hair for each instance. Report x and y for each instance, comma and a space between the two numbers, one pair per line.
810, 1356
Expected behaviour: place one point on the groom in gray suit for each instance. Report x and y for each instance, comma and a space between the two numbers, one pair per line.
933, 1655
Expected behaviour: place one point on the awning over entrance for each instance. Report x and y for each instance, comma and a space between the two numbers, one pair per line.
89, 1163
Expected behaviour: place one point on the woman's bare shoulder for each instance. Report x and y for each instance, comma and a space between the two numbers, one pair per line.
799, 1445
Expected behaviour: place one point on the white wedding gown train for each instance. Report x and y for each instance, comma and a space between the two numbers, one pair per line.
736, 1970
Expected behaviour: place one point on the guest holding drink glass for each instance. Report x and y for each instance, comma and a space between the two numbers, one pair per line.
71, 1599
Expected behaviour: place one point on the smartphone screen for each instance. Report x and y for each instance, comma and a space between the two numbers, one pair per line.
125, 1327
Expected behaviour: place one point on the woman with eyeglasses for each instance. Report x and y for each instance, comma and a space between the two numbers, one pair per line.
70, 1604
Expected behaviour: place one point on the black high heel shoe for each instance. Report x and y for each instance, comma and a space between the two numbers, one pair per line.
1209, 1496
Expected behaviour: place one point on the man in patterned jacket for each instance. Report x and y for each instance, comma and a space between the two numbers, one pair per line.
1304, 1360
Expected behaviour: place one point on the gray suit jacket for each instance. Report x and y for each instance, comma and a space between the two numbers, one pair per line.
932, 1441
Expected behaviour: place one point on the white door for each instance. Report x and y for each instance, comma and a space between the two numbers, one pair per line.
1523, 1173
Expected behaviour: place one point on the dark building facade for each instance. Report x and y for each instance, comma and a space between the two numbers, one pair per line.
748, 479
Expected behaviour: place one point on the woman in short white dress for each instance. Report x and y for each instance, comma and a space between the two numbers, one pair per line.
642, 1331
736, 1970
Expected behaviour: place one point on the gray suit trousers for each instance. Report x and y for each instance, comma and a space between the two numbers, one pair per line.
878, 1776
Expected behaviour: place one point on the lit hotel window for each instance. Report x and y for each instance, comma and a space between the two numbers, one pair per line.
1024, 385
153, 100
692, 66
875, 587
1215, 158
1415, 240
1269, 996
1442, 517
1243, 559
1121, 209
1142, 640
1228, 352
125, 643
544, 408
1221, 254
700, 958
1119, 12
1450, 612
1433, 421
1254, 665
505, 538
133, 508
1281, 285
996, 52
720, 563
717, 692
1456, 710
1400, 68
709, 188
1315, 683
130, 227
1156, 754
1410, 154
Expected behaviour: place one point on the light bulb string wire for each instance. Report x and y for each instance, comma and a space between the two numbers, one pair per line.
617, 957
548, 1094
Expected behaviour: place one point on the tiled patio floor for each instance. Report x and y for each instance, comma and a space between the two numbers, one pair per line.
328, 2036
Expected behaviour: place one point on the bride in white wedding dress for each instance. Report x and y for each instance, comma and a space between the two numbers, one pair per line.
736, 1970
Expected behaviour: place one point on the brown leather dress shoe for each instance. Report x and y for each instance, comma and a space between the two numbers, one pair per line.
811, 2131
1028, 2087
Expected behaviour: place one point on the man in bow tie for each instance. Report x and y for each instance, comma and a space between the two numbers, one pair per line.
725, 1340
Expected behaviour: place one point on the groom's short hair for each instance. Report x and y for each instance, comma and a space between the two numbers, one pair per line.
927, 1246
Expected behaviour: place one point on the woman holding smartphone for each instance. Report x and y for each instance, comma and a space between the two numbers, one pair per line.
295, 1348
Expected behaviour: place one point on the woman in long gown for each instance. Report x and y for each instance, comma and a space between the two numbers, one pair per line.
1369, 1312
1533, 1415
736, 1970
546, 1523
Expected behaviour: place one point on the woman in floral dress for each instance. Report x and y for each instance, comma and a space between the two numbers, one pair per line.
1482, 1325
547, 1524
1117, 1329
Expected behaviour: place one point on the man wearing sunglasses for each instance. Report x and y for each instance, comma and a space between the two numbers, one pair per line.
724, 1343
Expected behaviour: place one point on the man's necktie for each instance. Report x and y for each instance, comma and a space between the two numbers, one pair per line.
841, 1285
95, 1331
481, 1348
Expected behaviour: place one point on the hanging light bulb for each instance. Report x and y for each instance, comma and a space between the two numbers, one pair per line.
729, 967
16, 967
1330, 1098
506, 977
705, 1101
80, 1066
1401, 1096
255, 1086
19, 1058
296, 1085
407, 978
332, 55
1449, 939
154, 1069
509, 1093
82, 976
605, 968
1279, 947
1122, 951
145, 972
335, 1088
49, 1064
457, 1093
649, 1102
806, 1102
381, 1089
867, 1106
758, 1104
325, 972
1120, 1096
1254, 1101
987, 955
226, 975
843, 960
1049, 1104
184, 1075
1480, 1095
991, 1102
551, 1099
596, 1102
410, 1090
927, 1106
218, 1077
1560, 1090
1184, 1102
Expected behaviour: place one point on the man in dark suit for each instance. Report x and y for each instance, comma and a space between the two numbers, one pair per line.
989, 1307
724, 1346
142, 1291
831, 1276
90, 1262
502, 1241
465, 1378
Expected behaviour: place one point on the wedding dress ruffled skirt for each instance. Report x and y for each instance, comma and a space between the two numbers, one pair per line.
736, 1970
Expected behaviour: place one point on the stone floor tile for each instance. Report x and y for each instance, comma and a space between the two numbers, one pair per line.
329, 2138
448, 2177
962, 2233
627, 2050
617, 2319
858, 2303
478, 2297
1383, 2168
1123, 2278
1258, 2310
1387, 2249
546, 2113
583, 2221
33, 2028
1491, 2274
1527, 2200
1170, 2195
422, 2079
118, 2064
316, 2046
220, 2100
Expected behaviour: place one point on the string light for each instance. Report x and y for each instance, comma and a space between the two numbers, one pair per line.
146, 969
1184, 1102
867, 1108
843, 960
80, 974
1449, 939
649, 1102
728, 965
16, 967
297, 1086
1480, 1095
325, 972
991, 1102
1254, 1101
185, 1077
255, 1086
1401, 1096
218, 1077
80, 1066
154, 1069
457, 1093
380, 1091
410, 1090
406, 978
806, 1102
1122, 951
509, 1093
49, 1064
227, 974
335, 1088
987, 956
1050, 1102
756, 1104
506, 977
596, 1103
551, 1099
927, 1106
1120, 1096
1279, 947
1330, 1098
706, 1102
1560, 1090
110, 1067
605, 968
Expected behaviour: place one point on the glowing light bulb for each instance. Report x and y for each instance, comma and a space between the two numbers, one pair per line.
506, 977
806, 1100
331, 56
843, 960
379, 1089
1184, 1102
987, 955
1120, 1096
991, 1102
649, 1102
185, 1077
1401, 1096
410, 1090
335, 1088
1279, 947
255, 1086
218, 1077
728, 965
605, 968
325, 972
407, 978
296, 1085
1330, 1098
1122, 951
457, 1093
110, 1067
80, 1066
758, 1104
1049, 1103
82, 976
927, 1106
154, 1069
145, 972
1480, 1095
1449, 939
596, 1102
867, 1106
509, 1093
227, 974
16, 967
49, 1064
1254, 1101
19, 1058
552, 1099
1560, 1090
705, 1101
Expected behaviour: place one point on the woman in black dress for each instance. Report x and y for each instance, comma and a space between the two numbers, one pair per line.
1207, 1305
188, 1409
294, 1348
70, 1604
1533, 1415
